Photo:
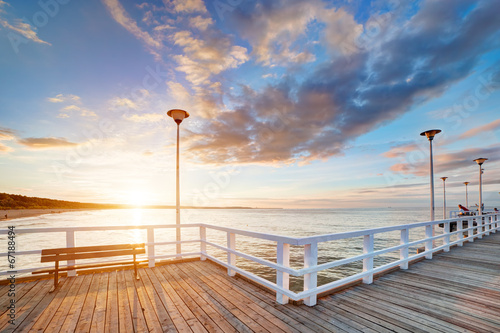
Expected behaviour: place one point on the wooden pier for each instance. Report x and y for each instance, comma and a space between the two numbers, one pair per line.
457, 291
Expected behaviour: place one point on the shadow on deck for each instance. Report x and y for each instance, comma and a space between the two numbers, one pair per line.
456, 291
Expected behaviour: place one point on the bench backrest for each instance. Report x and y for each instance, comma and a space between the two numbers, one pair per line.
90, 252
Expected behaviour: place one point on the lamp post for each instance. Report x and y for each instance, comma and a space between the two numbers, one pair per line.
444, 197
430, 135
480, 162
466, 195
178, 116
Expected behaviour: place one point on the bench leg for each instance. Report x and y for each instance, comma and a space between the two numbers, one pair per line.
135, 268
56, 277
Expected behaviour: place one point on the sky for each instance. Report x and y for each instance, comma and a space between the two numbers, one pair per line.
293, 104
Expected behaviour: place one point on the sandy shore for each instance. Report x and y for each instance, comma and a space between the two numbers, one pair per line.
6, 215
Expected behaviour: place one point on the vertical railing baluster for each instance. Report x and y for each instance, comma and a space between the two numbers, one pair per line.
151, 247
203, 245
70, 242
403, 252
368, 262
310, 279
480, 226
470, 226
447, 227
488, 224
282, 278
428, 242
231, 257
460, 234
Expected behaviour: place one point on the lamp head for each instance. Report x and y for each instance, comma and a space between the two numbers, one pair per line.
480, 161
430, 133
466, 183
444, 178
178, 115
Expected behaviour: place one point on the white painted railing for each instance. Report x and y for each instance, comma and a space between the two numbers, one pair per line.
467, 229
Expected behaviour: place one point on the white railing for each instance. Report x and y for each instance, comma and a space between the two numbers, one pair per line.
467, 229
457, 213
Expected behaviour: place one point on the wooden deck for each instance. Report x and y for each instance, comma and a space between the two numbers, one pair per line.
457, 291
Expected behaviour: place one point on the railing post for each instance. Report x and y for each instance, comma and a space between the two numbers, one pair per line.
70, 242
480, 227
231, 257
310, 279
403, 252
488, 225
460, 234
203, 245
282, 278
428, 243
470, 226
368, 262
447, 227
151, 247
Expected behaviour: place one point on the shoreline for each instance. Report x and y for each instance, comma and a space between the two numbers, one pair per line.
22, 213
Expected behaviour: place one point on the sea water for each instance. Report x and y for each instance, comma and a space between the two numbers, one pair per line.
285, 222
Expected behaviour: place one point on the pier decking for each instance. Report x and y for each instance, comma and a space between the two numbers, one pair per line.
457, 291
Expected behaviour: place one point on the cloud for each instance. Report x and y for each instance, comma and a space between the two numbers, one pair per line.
147, 117
46, 143
346, 97
124, 102
189, 6
60, 98
481, 129
20, 27
400, 151
203, 58
200, 23
274, 30
446, 162
7, 134
5, 149
123, 18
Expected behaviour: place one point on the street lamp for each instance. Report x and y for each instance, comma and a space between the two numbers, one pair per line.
466, 195
444, 197
480, 162
430, 135
178, 116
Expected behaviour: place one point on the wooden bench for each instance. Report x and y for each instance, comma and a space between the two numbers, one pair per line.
90, 252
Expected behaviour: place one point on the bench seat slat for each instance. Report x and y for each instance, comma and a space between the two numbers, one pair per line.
91, 248
78, 267
91, 255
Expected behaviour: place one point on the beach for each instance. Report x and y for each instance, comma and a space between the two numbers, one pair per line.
6, 215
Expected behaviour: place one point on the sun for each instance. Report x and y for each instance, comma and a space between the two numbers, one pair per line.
137, 198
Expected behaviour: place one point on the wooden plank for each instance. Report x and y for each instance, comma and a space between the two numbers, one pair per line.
72, 317
136, 311
23, 305
20, 290
144, 303
247, 317
89, 255
201, 303
238, 325
111, 324
125, 321
47, 314
29, 314
123, 264
87, 312
408, 301
91, 248
99, 317
168, 315
174, 307
58, 319
303, 314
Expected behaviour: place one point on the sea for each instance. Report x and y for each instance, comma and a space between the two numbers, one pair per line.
286, 222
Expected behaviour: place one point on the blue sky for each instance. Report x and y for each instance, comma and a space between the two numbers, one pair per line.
294, 104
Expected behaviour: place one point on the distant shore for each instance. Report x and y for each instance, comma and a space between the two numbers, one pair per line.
6, 215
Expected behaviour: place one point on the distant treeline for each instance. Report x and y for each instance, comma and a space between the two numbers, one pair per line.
14, 201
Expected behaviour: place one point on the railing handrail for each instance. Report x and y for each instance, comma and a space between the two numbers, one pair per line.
484, 225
